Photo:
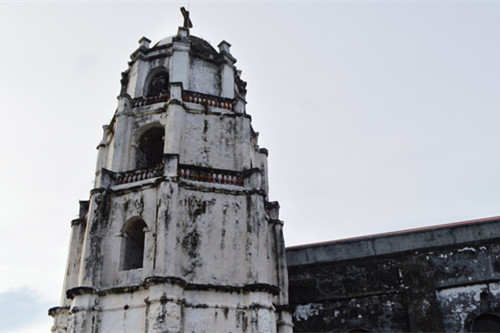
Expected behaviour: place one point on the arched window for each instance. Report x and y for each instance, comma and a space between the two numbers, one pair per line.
486, 322
133, 244
150, 148
158, 85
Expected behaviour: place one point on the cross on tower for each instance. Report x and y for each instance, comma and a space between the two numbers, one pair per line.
187, 20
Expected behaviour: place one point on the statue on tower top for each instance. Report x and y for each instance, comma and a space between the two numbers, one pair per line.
187, 20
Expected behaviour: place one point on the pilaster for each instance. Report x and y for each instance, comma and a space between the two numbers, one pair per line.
176, 117
122, 136
179, 65
102, 149
92, 252
73, 265
167, 251
138, 70
165, 309
227, 70
83, 314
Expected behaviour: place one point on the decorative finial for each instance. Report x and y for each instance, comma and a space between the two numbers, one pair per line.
187, 21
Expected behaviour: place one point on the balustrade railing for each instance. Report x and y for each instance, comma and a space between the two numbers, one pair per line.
138, 175
187, 96
184, 171
198, 98
209, 175
142, 101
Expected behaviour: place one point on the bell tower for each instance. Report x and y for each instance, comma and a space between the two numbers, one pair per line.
178, 234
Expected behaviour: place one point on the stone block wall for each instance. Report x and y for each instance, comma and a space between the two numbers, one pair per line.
431, 279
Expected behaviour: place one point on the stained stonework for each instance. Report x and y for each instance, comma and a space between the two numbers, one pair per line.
430, 280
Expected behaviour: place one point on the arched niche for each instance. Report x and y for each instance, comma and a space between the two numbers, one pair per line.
486, 322
150, 145
157, 82
132, 248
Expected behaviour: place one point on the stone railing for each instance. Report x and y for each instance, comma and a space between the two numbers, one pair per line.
247, 178
210, 175
138, 175
210, 100
142, 101
187, 96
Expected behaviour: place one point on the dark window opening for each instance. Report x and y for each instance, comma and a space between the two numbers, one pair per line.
487, 322
158, 85
133, 247
150, 149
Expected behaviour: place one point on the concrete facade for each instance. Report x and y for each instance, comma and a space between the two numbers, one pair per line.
178, 234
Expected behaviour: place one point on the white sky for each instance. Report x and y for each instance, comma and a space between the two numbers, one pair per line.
378, 116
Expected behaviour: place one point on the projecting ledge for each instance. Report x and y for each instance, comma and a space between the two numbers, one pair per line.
157, 280
54, 311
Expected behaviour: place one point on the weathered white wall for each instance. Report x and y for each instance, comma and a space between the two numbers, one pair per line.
217, 241
204, 77
216, 141
126, 206
215, 238
173, 309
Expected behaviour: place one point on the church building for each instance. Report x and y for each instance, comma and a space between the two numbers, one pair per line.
179, 235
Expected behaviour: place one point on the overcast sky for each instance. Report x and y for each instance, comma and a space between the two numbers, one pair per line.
378, 116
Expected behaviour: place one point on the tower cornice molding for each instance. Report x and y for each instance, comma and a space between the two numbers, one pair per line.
173, 280
188, 184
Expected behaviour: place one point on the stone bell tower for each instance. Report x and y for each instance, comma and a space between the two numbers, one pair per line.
178, 234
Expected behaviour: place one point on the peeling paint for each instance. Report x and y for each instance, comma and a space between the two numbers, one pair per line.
303, 312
